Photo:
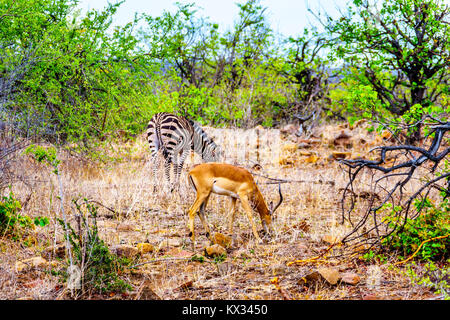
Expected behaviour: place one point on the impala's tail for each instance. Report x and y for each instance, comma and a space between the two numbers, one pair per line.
191, 182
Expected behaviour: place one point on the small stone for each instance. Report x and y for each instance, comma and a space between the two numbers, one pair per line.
144, 248
215, 250
185, 285
311, 159
330, 239
20, 266
147, 292
58, 251
310, 278
341, 155
350, 278
124, 250
278, 269
179, 253
170, 242
125, 227
331, 275
222, 240
386, 134
285, 161
305, 153
343, 138
32, 263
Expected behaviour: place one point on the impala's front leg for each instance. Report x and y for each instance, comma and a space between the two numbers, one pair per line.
248, 210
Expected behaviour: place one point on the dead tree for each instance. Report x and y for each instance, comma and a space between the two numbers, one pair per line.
401, 176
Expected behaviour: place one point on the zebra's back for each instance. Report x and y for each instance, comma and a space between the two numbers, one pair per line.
165, 130
175, 136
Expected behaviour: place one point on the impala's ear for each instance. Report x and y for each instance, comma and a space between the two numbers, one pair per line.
271, 206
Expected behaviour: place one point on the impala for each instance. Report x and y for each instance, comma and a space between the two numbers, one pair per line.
232, 181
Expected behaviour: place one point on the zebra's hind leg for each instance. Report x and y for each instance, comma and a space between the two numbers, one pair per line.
167, 162
155, 169
177, 167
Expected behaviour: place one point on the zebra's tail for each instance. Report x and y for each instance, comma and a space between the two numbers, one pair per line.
160, 142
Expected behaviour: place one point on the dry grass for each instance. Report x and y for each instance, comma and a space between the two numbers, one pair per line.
309, 212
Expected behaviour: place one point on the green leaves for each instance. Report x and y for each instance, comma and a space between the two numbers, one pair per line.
41, 221
14, 224
44, 155
81, 74
101, 268
76, 78
433, 222
401, 51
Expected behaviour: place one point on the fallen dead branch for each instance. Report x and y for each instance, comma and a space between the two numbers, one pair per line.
389, 186
418, 249
160, 260
278, 180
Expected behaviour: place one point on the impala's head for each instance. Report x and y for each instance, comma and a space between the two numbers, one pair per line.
267, 212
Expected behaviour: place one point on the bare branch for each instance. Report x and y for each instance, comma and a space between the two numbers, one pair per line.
391, 188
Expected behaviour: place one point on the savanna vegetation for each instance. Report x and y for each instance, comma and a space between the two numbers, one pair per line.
350, 117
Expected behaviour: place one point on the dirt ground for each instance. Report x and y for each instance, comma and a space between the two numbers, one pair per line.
130, 213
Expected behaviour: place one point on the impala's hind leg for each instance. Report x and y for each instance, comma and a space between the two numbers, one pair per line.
231, 215
201, 197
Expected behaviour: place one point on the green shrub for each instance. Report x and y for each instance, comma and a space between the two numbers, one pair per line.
431, 276
433, 222
46, 155
99, 267
11, 222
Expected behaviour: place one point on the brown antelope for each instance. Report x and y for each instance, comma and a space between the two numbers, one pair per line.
232, 181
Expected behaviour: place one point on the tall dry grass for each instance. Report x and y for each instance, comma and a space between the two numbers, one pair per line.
131, 213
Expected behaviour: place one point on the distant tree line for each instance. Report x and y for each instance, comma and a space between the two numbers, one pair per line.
74, 78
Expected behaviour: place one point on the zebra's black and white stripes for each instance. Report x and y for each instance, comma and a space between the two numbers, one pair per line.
176, 137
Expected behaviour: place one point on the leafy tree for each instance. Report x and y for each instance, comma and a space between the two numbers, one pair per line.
398, 49
211, 77
184, 46
302, 64
247, 43
182, 42
81, 79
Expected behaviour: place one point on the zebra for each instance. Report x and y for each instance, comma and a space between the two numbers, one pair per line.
175, 136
